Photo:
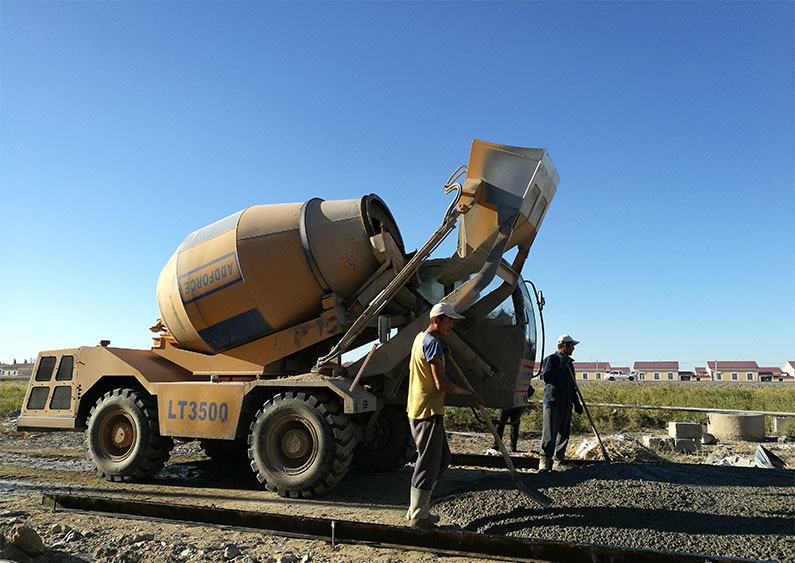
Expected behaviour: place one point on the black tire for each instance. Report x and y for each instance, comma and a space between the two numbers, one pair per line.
230, 452
123, 437
631, 378
391, 446
301, 444
611, 378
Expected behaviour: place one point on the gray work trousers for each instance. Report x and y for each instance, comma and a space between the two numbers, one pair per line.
433, 452
556, 430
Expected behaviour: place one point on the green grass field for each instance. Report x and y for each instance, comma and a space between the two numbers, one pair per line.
11, 395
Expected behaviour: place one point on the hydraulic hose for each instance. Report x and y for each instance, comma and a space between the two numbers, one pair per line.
540, 302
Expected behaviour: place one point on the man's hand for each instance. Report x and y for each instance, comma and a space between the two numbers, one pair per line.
475, 400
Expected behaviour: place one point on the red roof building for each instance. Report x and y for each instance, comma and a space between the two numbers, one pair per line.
733, 371
590, 371
774, 374
657, 371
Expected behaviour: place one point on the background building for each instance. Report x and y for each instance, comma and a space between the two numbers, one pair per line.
657, 371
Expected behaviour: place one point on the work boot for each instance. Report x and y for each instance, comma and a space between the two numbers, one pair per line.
418, 513
546, 465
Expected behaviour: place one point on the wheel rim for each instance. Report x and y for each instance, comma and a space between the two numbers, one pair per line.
117, 435
291, 444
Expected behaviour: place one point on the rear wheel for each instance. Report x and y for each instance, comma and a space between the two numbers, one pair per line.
301, 444
390, 447
123, 438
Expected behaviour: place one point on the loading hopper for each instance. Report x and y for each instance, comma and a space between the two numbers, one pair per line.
515, 179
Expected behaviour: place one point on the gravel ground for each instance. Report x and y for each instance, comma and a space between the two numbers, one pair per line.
727, 511
712, 510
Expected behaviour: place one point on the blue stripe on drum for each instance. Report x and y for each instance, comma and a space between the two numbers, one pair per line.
209, 278
235, 330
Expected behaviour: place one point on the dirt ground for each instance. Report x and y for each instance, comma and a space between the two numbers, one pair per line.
693, 507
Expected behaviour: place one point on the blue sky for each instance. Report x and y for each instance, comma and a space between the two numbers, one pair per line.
125, 126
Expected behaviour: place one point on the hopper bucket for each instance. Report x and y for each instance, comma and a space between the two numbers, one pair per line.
518, 185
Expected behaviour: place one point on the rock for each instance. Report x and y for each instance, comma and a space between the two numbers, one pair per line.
104, 551
72, 535
128, 557
142, 537
651, 442
687, 445
231, 551
27, 539
667, 444
305, 559
12, 513
286, 558
124, 539
708, 439
244, 559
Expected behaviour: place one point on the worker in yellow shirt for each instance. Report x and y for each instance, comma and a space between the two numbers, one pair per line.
425, 406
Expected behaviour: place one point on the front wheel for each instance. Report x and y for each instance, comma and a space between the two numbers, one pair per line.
123, 437
301, 444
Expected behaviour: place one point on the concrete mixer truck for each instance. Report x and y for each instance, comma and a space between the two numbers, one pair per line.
258, 309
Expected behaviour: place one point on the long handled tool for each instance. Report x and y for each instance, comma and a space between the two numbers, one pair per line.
588, 413
534, 494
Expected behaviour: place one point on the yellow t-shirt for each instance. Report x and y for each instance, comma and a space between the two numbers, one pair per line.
424, 399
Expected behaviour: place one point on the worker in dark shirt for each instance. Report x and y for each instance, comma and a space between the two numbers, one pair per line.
560, 394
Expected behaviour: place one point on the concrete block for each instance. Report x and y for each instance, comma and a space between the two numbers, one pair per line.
687, 445
685, 430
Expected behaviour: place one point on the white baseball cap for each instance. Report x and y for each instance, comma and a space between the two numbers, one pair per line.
564, 338
445, 309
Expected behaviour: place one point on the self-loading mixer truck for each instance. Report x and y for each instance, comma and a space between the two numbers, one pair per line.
258, 308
